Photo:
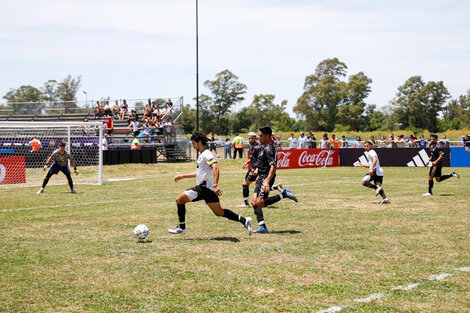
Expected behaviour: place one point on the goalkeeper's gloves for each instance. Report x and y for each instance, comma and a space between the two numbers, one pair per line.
75, 170
45, 167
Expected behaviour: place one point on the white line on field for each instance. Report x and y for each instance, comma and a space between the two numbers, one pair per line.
141, 199
377, 296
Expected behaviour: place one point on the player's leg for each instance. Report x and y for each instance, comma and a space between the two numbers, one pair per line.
181, 201
52, 171
259, 196
218, 211
246, 193
285, 193
366, 182
432, 172
379, 191
70, 181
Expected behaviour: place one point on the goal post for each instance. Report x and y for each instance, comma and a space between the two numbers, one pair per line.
25, 147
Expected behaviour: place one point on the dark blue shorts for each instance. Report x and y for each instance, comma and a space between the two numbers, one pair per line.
56, 168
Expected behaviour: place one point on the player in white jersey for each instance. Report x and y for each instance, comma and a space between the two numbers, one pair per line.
207, 188
375, 174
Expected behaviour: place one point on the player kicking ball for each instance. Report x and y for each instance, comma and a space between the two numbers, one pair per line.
60, 158
375, 174
437, 154
207, 189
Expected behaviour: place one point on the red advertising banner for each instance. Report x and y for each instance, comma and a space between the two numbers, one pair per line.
306, 158
12, 170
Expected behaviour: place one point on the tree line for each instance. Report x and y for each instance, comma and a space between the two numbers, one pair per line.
330, 101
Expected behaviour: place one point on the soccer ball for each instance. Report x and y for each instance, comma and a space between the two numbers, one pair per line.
141, 231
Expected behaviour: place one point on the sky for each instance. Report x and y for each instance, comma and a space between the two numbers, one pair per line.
138, 49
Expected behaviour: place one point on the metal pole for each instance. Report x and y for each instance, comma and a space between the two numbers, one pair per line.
197, 69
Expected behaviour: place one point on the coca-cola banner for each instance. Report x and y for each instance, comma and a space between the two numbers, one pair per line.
305, 158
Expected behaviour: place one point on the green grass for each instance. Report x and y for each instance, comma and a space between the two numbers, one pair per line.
76, 253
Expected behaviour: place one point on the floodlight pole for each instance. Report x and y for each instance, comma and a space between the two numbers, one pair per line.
86, 100
197, 70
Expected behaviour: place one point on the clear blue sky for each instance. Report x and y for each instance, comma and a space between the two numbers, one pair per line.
143, 48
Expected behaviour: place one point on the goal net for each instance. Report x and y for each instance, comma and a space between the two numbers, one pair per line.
26, 146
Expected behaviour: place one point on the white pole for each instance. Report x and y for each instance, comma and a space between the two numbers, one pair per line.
68, 142
100, 165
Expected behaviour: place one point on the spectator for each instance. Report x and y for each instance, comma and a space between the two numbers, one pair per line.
237, 144
278, 143
422, 142
312, 141
134, 126
213, 144
135, 145
372, 140
358, 143
169, 103
466, 142
35, 144
391, 141
343, 142
382, 143
400, 142
228, 148
107, 109
104, 142
98, 110
110, 128
324, 141
411, 141
292, 142
445, 141
116, 108
333, 142
123, 111
302, 141
168, 127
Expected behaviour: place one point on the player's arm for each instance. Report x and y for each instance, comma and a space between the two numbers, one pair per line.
74, 164
49, 160
215, 177
182, 176
439, 159
245, 164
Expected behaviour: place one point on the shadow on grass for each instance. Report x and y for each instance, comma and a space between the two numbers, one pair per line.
231, 239
144, 241
446, 195
284, 232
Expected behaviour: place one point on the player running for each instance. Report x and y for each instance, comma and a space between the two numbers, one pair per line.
60, 157
207, 189
266, 162
375, 174
437, 154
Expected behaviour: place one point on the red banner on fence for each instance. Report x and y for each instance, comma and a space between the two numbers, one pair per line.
12, 170
305, 158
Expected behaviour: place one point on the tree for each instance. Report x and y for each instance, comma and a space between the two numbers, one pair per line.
67, 90
351, 110
323, 92
25, 93
263, 111
457, 112
418, 103
226, 92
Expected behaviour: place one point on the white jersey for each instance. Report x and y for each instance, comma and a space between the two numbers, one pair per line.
204, 169
378, 170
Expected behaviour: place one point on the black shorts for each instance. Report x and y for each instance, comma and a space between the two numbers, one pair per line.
110, 131
199, 192
436, 170
375, 178
249, 175
259, 191
56, 168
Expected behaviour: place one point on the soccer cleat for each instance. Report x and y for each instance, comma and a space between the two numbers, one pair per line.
277, 187
455, 174
427, 194
73, 191
248, 225
289, 194
262, 229
40, 191
377, 191
384, 201
177, 230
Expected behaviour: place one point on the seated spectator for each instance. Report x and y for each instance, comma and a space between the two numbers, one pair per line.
358, 143
228, 148
123, 111
292, 142
343, 142
116, 108
324, 141
169, 103
107, 109
134, 126
333, 142
98, 110
278, 143
382, 143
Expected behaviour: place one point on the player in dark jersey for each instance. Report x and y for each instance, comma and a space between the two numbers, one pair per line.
266, 162
437, 154
60, 158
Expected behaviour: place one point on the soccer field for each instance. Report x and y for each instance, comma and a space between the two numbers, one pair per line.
335, 250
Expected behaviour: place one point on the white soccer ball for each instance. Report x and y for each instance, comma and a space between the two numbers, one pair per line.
141, 231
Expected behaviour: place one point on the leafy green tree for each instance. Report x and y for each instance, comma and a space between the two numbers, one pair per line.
263, 111
240, 121
457, 112
352, 109
375, 119
323, 93
226, 92
25, 93
67, 90
418, 103
189, 119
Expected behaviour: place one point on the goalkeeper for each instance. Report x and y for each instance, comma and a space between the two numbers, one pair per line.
60, 158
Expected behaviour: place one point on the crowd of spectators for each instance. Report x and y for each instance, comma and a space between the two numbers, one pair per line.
154, 125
